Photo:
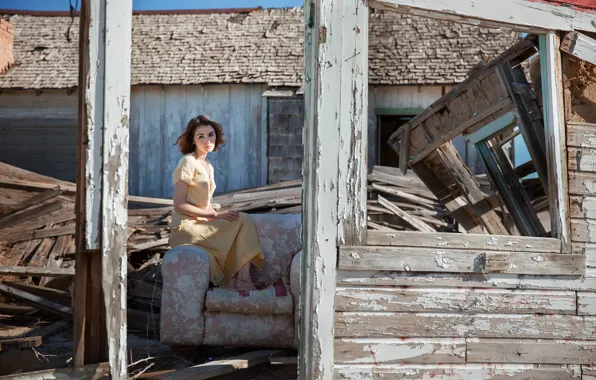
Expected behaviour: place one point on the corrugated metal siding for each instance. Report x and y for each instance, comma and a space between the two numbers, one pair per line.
38, 132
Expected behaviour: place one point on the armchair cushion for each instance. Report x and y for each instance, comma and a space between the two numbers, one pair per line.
274, 299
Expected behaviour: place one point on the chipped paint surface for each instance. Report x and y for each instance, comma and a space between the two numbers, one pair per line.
528, 16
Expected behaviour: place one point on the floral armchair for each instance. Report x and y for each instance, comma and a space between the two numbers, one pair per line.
193, 314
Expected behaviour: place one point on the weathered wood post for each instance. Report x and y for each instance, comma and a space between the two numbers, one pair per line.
102, 184
334, 166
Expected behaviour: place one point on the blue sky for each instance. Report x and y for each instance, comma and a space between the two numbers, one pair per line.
62, 5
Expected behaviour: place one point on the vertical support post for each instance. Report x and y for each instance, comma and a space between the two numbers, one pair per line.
554, 122
101, 208
334, 166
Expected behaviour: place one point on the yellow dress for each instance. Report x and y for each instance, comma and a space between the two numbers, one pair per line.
229, 245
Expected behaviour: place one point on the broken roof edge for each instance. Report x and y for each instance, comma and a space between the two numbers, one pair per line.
523, 45
24, 12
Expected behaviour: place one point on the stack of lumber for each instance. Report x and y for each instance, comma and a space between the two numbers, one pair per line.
399, 202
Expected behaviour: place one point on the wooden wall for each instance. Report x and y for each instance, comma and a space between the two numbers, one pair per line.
403, 324
158, 117
284, 146
38, 133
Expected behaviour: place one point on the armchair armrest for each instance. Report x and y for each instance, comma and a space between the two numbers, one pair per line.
295, 289
185, 271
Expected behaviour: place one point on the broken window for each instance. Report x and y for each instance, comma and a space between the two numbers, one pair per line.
499, 111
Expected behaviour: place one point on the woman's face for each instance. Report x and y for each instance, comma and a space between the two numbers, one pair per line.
204, 138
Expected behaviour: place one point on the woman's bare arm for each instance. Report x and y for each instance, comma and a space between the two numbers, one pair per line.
183, 207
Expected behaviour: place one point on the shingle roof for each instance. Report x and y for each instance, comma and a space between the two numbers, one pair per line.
262, 46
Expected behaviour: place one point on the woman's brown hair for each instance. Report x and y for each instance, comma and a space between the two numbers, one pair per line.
186, 139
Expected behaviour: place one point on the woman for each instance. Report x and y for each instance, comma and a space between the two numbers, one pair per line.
229, 238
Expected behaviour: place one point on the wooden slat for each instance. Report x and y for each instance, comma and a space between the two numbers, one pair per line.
221, 367
40, 234
415, 222
580, 46
91, 371
456, 372
32, 213
530, 351
391, 351
500, 301
589, 372
583, 231
586, 303
36, 272
581, 135
37, 198
458, 261
20, 343
440, 240
8, 309
582, 183
470, 188
536, 263
463, 280
36, 301
519, 326
60, 297
56, 256
582, 159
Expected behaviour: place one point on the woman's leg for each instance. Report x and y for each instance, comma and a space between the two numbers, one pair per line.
242, 279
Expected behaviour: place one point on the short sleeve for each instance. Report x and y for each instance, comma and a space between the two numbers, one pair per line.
184, 172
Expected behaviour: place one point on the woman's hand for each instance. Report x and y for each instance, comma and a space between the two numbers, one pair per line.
227, 215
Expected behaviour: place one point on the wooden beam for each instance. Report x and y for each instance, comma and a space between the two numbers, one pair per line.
580, 46
443, 240
99, 331
470, 189
221, 367
36, 272
486, 350
35, 212
40, 234
334, 169
524, 16
428, 300
37, 198
36, 301
92, 371
418, 224
554, 122
459, 261
461, 325
20, 343
70, 188
459, 371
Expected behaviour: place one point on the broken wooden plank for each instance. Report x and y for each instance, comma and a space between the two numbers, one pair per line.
20, 343
36, 301
470, 188
485, 350
456, 371
56, 255
36, 199
498, 301
55, 220
36, 212
9, 309
50, 329
524, 16
90, 371
580, 46
395, 351
458, 261
459, 325
40, 234
410, 219
441, 240
36, 272
54, 295
222, 367
70, 188
149, 244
